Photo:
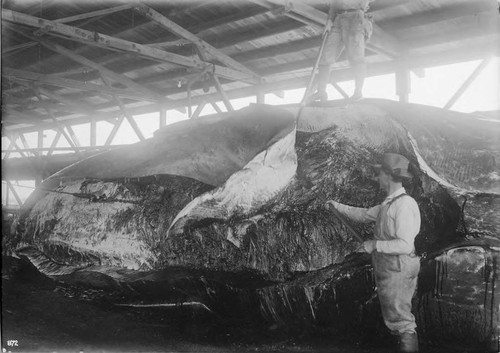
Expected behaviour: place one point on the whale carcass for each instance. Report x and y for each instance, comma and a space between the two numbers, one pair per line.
234, 202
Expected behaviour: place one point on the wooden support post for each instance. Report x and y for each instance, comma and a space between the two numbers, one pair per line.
403, 84
279, 94
75, 106
113, 132
54, 142
339, 89
261, 97
14, 192
216, 107
129, 117
64, 133
93, 132
163, 117
19, 150
467, 83
73, 135
134, 125
58, 125
198, 42
7, 194
131, 84
22, 76
9, 149
225, 98
39, 154
40, 141
97, 13
25, 143
109, 42
198, 110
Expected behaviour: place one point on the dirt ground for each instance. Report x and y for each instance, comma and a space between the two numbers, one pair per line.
40, 315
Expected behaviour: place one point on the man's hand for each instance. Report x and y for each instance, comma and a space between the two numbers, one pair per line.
370, 246
331, 204
328, 26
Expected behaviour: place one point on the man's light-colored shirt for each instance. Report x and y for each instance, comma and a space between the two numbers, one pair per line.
397, 223
351, 4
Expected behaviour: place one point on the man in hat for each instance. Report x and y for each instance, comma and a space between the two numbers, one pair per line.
351, 28
396, 267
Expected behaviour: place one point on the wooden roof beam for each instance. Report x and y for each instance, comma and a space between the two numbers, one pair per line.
482, 25
68, 20
198, 27
199, 43
81, 108
202, 26
112, 43
15, 117
21, 75
33, 106
467, 83
481, 50
103, 70
124, 111
445, 13
28, 104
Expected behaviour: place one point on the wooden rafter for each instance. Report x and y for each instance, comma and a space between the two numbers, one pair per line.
21, 75
10, 147
14, 192
202, 26
473, 52
112, 43
25, 143
198, 110
467, 83
215, 106
129, 117
94, 14
339, 89
68, 20
40, 142
103, 70
14, 116
198, 27
250, 35
59, 127
484, 25
225, 98
76, 106
199, 43
445, 13
74, 138
13, 147
113, 132
93, 132
54, 142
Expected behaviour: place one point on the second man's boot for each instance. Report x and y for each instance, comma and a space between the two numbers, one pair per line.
408, 342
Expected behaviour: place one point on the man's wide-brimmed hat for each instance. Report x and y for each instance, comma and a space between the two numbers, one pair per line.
394, 164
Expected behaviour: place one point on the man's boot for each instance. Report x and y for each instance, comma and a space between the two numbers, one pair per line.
359, 80
408, 342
